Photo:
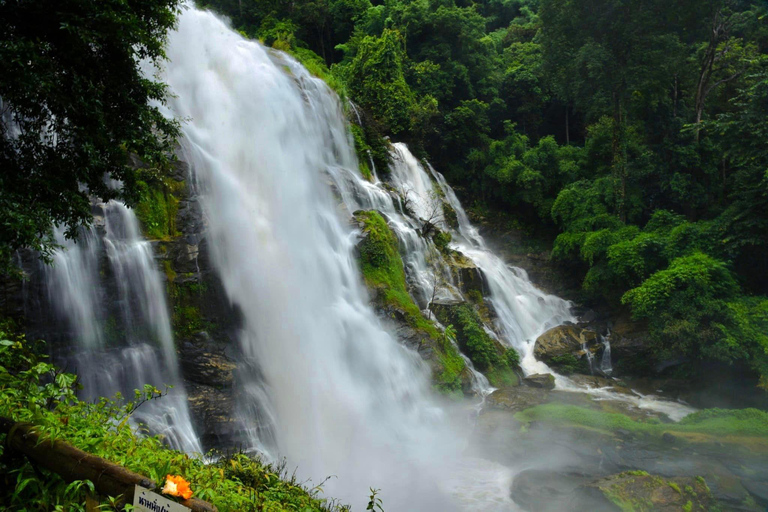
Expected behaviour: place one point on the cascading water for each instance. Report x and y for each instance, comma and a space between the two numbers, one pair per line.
120, 348
344, 397
329, 387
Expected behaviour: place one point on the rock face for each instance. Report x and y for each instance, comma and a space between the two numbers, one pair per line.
205, 323
540, 380
568, 348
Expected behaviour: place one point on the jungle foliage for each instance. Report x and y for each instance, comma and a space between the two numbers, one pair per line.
74, 106
631, 131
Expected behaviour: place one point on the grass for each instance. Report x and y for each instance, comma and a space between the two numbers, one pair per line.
710, 422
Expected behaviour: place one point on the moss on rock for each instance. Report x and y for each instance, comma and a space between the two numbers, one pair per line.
488, 355
157, 207
384, 274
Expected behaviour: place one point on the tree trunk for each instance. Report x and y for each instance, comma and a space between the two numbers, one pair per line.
619, 164
567, 128
74, 464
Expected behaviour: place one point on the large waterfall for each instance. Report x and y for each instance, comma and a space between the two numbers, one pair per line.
328, 386
267, 143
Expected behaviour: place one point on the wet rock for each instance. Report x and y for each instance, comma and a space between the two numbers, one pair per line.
470, 279
213, 415
568, 348
516, 399
638, 490
759, 490
540, 380
204, 361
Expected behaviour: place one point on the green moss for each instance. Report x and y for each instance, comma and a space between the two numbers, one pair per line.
688, 506
157, 208
566, 364
502, 377
442, 239
362, 149
676, 487
715, 422
170, 273
383, 271
488, 356
477, 343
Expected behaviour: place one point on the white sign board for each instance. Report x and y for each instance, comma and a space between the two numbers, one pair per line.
145, 500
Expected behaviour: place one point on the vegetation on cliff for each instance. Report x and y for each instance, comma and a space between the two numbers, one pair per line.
384, 274
74, 106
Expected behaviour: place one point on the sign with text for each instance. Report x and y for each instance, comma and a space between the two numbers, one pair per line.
145, 500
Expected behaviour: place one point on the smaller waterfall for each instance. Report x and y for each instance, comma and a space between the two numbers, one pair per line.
606, 366
106, 288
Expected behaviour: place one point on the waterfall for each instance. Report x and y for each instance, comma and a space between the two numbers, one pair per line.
105, 286
264, 141
326, 384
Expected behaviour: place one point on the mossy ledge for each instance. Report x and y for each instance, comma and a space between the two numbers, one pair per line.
724, 424
489, 356
384, 274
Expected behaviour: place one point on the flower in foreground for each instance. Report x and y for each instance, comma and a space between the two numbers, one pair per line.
177, 486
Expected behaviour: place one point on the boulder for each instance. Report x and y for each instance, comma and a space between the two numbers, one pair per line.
569, 349
656, 493
516, 399
540, 380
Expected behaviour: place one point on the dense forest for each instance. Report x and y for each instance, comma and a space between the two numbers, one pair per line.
633, 132
205, 243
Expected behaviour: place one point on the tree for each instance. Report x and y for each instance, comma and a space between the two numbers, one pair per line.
74, 106
600, 54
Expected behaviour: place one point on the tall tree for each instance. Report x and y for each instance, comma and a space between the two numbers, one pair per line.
599, 54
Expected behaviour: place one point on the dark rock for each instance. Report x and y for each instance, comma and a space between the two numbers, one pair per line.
213, 415
516, 399
203, 361
668, 438
540, 380
471, 279
759, 490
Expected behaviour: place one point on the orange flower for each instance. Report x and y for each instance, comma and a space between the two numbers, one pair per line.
177, 486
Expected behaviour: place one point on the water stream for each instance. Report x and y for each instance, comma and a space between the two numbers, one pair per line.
105, 287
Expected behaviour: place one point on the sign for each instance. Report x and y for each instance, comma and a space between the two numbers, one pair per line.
145, 500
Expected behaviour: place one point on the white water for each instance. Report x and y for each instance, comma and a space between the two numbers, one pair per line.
125, 348
344, 397
330, 388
